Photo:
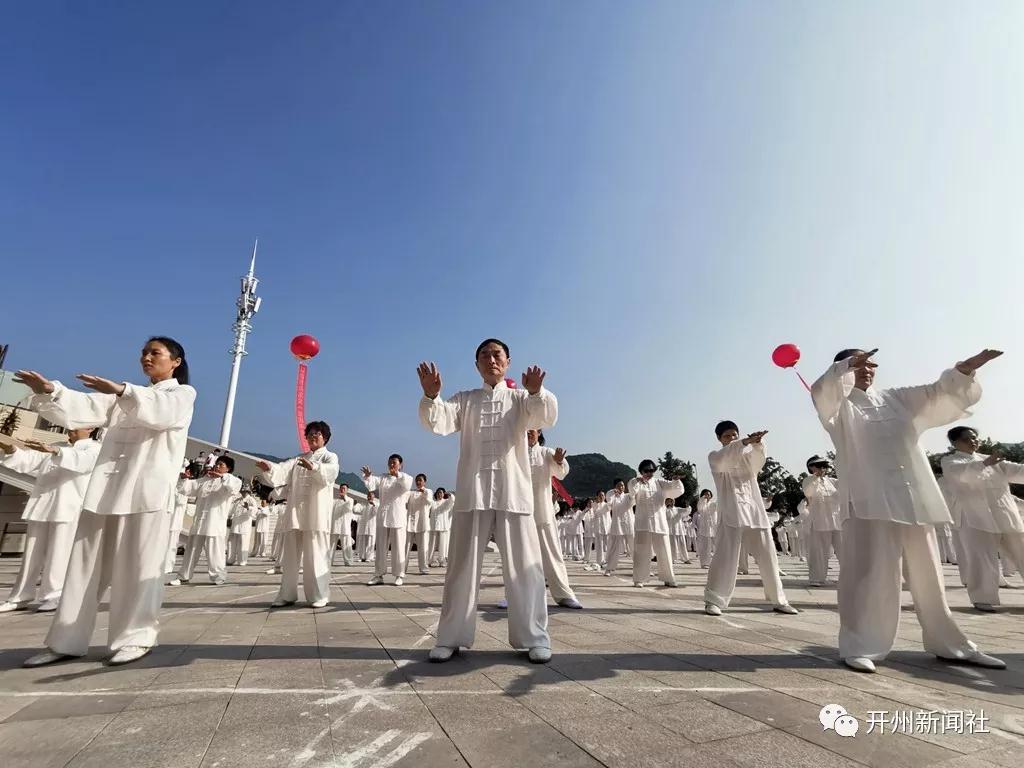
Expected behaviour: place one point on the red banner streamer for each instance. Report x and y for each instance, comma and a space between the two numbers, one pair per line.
560, 490
300, 407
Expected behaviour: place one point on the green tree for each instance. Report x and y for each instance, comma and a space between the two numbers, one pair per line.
672, 468
10, 423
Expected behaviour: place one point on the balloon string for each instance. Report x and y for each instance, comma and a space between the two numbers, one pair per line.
300, 407
806, 385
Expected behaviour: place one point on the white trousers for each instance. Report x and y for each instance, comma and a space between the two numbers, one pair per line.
982, 569
277, 545
645, 543
577, 546
393, 539
259, 544
420, 540
705, 550
438, 546
311, 549
215, 565
822, 544
173, 539
365, 546
554, 566
869, 590
122, 552
238, 549
722, 573
679, 551
47, 551
522, 570
588, 549
346, 548
616, 549
601, 548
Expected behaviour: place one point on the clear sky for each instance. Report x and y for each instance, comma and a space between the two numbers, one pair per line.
644, 198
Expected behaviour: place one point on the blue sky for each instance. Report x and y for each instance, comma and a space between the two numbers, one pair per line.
643, 198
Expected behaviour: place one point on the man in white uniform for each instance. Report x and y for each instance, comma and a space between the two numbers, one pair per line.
341, 526
440, 524
822, 496
890, 502
742, 518
214, 494
648, 494
51, 513
242, 516
393, 489
602, 523
307, 482
707, 527
990, 515
494, 495
366, 526
621, 525
259, 544
418, 504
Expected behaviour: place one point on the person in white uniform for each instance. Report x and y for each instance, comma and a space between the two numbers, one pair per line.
215, 494
588, 535
177, 522
621, 525
121, 539
62, 475
259, 540
742, 518
243, 513
341, 525
602, 523
366, 526
419, 502
308, 485
990, 516
678, 516
494, 496
822, 496
648, 494
707, 527
440, 524
890, 504
546, 463
393, 489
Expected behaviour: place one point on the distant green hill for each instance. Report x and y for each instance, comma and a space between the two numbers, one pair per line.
355, 482
592, 472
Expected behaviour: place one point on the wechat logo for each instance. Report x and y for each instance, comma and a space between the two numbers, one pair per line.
835, 718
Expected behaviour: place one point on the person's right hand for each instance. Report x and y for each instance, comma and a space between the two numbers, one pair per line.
430, 379
367, 472
755, 437
263, 465
993, 458
34, 381
863, 360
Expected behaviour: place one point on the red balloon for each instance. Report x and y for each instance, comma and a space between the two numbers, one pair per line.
510, 383
786, 355
304, 347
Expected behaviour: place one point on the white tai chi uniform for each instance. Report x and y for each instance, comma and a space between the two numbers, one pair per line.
742, 518
707, 529
621, 527
652, 527
51, 514
306, 523
890, 504
588, 533
242, 516
366, 528
341, 529
418, 504
822, 496
678, 519
494, 496
259, 542
214, 498
542, 468
440, 524
392, 490
602, 524
990, 518
177, 514
121, 539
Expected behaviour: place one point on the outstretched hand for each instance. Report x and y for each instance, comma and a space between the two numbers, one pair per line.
863, 360
101, 385
367, 472
430, 379
559, 455
755, 437
971, 364
263, 465
37, 445
533, 379
35, 381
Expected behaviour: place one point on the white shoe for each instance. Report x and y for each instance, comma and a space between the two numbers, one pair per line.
786, 608
376, 581
860, 664
271, 571
986, 607
607, 573
399, 581
174, 583
712, 610
424, 572
9, 607
279, 603
783, 573
442, 653
318, 604
128, 654
46, 657
47, 606
219, 582
540, 655
638, 584
978, 659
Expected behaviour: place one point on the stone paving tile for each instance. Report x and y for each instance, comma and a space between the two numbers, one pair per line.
46, 744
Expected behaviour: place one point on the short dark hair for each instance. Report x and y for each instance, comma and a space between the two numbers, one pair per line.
321, 427
226, 461
958, 432
647, 465
617, 481
396, 456
95, 434
421, 475
724, 426
485, 342
707, 491
845, 354
343, 485
540, 437
441, 491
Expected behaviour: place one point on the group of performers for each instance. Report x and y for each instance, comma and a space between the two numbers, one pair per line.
107, 509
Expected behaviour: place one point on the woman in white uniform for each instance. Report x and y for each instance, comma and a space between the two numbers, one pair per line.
707, 527
51, 514
440, 524
242, 516
648, 493
366, 526
177, 514
341, 526
822, 496
418, 504
215, 494
121, 539
259, 540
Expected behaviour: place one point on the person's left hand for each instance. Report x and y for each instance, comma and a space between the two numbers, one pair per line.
971, 364
305, 463
37, 445
533, 379
101, 385
559, 455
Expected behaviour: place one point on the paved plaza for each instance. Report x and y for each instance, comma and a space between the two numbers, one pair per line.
640, 678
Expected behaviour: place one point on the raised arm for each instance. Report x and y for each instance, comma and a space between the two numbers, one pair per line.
728, 457
558, 469
74, 410
25, 461
78, 460
671, 488
158, 408
442, 417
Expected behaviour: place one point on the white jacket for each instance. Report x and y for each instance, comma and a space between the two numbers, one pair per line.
341, 516
391, 490
243, 513
61, 480
649, 498
418, 504
441, 513
707, 518
823, 503
735, 467
214, 498
366, 523
542, 468
982, 494
309, 492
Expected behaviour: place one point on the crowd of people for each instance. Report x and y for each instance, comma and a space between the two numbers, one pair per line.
108, 509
